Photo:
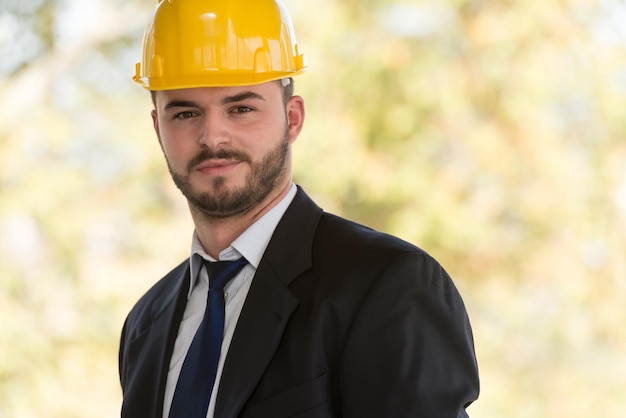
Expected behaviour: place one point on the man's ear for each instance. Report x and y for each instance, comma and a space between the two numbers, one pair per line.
155, 124
295, 116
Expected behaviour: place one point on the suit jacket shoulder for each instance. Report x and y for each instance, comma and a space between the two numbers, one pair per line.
338, 232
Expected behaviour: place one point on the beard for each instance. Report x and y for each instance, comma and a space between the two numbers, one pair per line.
222, 202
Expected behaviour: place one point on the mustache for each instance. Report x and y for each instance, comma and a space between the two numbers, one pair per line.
208, 154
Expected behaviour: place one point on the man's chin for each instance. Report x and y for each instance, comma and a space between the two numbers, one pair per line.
219, 209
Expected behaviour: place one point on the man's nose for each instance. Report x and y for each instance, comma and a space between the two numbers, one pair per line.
215, 131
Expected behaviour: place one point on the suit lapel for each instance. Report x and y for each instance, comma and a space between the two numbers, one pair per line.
153, 347
268, 306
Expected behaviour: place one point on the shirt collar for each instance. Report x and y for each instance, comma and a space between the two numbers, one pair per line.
251, 244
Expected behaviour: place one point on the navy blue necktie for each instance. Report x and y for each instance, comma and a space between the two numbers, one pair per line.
197, 376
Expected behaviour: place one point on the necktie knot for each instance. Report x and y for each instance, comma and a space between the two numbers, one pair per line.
221, 272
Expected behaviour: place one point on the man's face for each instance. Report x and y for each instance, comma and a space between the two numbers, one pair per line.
228, 148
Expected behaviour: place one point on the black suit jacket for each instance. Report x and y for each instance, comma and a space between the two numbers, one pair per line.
340, 321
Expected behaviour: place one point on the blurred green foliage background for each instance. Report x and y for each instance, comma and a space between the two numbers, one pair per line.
489, 133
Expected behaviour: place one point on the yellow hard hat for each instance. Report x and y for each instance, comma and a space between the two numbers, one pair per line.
213, 43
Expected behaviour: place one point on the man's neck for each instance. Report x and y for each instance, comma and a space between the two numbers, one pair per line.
217, 234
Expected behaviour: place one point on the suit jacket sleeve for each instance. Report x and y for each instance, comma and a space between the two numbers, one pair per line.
410, 350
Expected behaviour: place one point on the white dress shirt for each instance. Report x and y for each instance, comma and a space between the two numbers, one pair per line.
251, 244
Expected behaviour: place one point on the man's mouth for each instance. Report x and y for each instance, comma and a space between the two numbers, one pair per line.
217, 167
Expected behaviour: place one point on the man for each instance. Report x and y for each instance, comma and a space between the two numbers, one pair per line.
320, 317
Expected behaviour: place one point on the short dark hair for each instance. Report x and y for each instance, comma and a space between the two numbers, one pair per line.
287, 87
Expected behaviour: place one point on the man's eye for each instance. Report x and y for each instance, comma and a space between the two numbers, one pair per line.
242, 109
184, 115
